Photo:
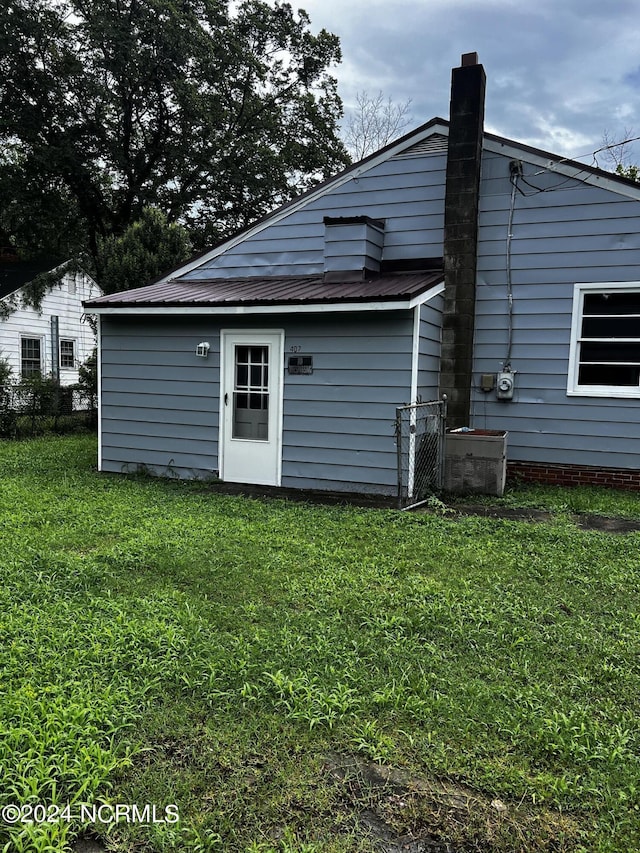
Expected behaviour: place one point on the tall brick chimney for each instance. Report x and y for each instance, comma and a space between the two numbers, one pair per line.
464, 157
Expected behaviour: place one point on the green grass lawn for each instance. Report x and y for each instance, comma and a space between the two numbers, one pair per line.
164, 644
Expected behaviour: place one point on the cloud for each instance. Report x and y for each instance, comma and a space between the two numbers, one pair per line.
558, 74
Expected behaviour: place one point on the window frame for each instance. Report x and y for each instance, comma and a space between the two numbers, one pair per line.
580, 290
40, 341
74, 344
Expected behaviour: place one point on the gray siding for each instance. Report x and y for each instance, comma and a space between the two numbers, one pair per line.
569, 233
160, 404
429, 349
352, 246
407, 193
339, 422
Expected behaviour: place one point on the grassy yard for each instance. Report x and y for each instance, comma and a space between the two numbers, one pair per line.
288, 675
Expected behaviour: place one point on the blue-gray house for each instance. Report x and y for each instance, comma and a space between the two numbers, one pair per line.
452, 261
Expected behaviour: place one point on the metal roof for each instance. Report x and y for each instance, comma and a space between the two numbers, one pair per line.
271, 290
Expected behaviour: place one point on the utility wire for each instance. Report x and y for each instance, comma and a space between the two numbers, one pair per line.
592, 154
516, 176
512, 207
537, 190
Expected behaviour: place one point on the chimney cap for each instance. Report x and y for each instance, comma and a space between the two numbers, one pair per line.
469, 59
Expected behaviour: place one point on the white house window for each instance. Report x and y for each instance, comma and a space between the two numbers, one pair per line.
30, 357
67, 353
605, 340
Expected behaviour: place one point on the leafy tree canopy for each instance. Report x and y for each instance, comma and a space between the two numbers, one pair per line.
148, 248
632, 172
41, 217
213, 115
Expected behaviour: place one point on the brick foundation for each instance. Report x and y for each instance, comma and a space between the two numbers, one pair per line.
573, 475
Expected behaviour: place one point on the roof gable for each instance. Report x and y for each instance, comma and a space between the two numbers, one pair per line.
429, 138
563, 166
437, 128
16, 274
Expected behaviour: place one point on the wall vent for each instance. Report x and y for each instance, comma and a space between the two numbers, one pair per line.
435, 144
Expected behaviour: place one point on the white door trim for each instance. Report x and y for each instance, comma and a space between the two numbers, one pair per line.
274, 338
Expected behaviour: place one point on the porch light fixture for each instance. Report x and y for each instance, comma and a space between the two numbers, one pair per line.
202, 349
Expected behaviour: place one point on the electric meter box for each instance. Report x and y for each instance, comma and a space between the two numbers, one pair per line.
505, 383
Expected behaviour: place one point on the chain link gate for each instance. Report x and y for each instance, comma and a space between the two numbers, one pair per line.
420, 444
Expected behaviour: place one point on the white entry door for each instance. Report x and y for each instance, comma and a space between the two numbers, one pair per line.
252, 376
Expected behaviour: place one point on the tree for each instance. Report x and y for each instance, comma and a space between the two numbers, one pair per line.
617, 150
617, 153
41, 217
148, 248
631, 172
5, 370
111, 106
374, 123
88, 380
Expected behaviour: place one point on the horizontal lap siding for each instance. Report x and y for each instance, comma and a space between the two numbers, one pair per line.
339, 422
408, 194
160, 402
569, 233
429, 349
362, 364
63, 301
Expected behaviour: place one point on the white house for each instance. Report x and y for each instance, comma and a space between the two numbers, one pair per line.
51, 341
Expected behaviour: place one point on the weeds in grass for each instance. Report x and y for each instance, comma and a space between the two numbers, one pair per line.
436, 505
164, 643
564, 499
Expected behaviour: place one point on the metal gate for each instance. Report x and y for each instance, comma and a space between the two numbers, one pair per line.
420, 443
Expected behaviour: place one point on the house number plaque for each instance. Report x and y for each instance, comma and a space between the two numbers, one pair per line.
300, 365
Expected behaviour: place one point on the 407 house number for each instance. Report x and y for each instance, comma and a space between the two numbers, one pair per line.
299, 365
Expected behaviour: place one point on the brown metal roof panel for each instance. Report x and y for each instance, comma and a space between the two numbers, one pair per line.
272, 290
202, 290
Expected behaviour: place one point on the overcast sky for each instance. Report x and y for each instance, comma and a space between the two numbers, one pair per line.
559, 72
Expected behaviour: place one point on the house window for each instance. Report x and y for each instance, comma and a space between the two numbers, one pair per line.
67, 354
30, 357
605, 341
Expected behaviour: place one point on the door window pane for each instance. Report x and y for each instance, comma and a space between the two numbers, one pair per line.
250, 417
242, 376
